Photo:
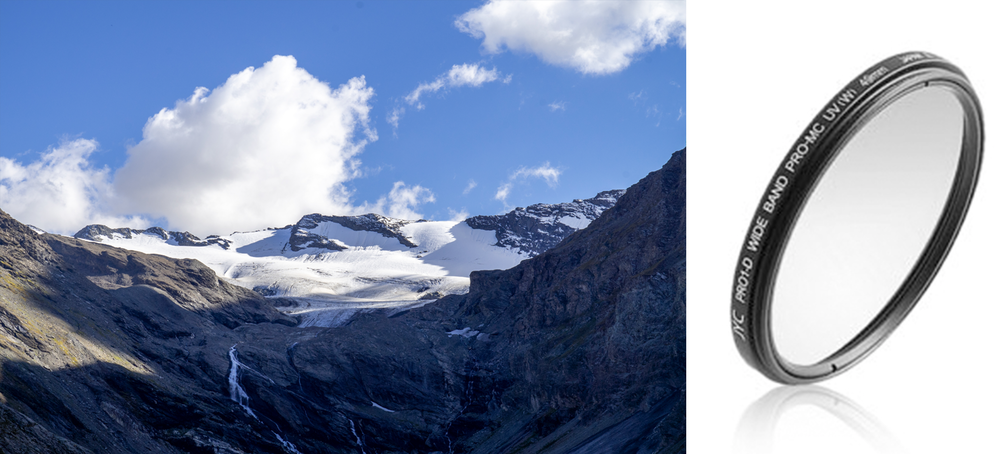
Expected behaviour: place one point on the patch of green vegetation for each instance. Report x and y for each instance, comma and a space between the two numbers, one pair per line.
61, 343
7, 280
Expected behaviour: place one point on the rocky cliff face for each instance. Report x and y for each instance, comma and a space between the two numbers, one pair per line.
580, 349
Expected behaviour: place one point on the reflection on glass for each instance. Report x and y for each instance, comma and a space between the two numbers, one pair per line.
833, 423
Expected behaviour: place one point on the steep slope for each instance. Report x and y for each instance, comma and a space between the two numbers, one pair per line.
106, 350
580, 349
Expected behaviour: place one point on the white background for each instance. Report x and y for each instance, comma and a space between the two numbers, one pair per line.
758, 72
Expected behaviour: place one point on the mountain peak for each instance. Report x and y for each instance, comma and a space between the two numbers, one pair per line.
537, 228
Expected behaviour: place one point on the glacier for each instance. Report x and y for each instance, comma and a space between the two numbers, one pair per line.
324, 269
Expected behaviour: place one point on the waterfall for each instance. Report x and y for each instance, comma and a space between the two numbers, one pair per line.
236, 392
286, 444
360, 443
239, 395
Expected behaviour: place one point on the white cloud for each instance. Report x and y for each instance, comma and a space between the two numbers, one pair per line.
394, 116
458, 76
401, 203
263, 148
458, 216
554, 106
60, 192
590, 36
502, 192
469, 187
545, 171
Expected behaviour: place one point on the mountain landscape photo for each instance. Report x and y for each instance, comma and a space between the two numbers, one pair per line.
443, 227
579, 348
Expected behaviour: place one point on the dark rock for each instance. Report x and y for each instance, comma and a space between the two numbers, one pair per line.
22, 435
95, 232
187, 239
431, 296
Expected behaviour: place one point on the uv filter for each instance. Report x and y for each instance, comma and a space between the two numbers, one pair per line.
857, 219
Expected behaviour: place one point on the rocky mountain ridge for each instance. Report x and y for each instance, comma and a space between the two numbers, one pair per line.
98, 232
531, 230
539, 227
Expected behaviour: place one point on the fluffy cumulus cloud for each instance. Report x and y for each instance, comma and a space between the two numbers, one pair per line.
545, 171
260, 150
472, 75
60, 192
266, 147
591, 36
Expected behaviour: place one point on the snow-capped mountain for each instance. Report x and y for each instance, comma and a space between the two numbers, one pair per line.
324, 268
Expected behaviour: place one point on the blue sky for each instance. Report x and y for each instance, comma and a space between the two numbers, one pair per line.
519, 106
